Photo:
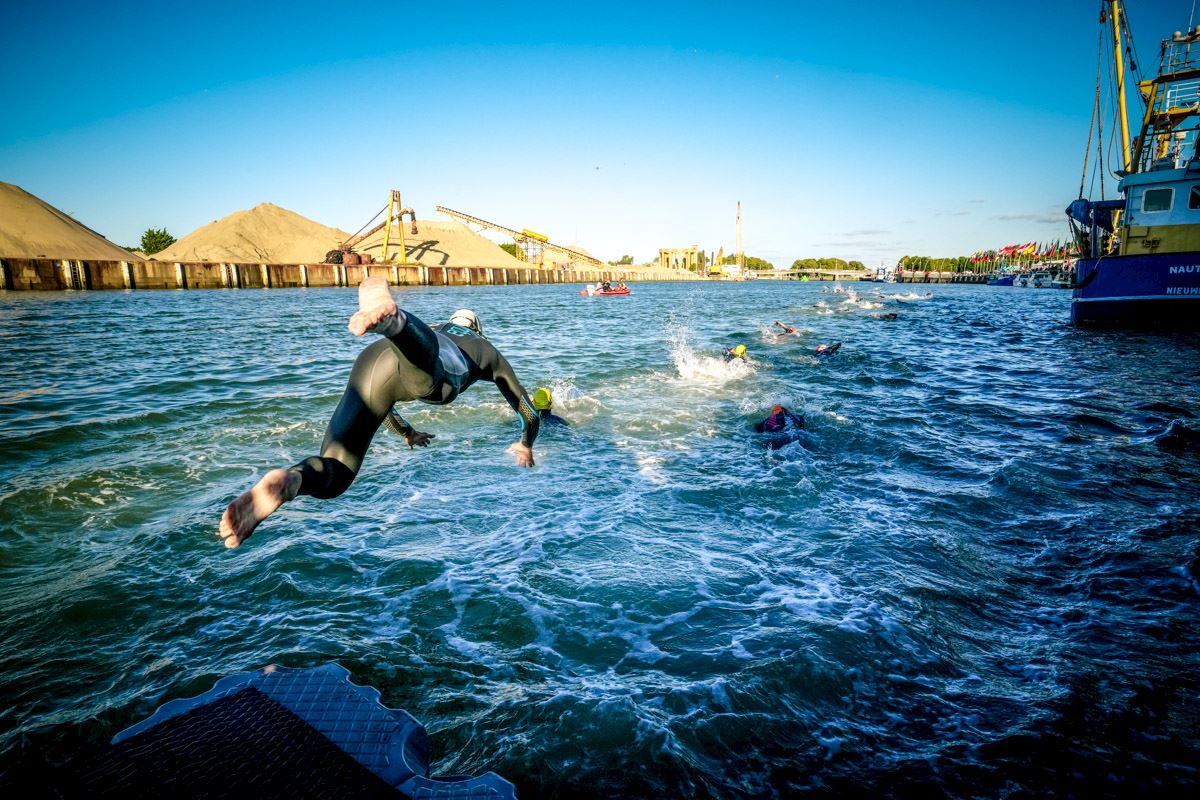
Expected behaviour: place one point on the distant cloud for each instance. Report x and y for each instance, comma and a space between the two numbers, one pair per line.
859, 245
849, 243
979, 202
1038, 219
867, 237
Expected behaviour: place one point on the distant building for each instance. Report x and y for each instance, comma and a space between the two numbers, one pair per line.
689, 258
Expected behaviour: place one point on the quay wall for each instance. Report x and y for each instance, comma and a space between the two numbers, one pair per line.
941, 277
44, 274
906, 277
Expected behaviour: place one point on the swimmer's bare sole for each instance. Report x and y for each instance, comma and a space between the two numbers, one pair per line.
245, 513
377, 312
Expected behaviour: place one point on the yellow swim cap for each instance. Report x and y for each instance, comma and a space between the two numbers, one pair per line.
740, 351
542, 399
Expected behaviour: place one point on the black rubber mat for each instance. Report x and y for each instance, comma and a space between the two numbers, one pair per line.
243, 745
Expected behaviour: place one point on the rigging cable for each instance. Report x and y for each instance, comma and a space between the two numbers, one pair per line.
1115, 108
1087, 152
1131, 49
372, 219
1134, 60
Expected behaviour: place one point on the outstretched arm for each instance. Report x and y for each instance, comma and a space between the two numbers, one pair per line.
506, 381
400, 426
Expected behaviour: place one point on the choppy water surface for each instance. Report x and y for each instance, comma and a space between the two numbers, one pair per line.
972, 575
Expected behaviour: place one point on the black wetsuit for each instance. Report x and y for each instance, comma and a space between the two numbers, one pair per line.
780, 420
418, 363
548, 417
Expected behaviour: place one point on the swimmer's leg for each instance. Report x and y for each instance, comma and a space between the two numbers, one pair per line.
380, 378
377, 311
244, 514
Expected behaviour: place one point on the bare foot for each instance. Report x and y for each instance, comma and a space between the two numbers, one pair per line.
377, 312
242, 516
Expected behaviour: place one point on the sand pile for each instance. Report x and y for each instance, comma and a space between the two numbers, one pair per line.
439, 244
265, 234
558, 257
32, 228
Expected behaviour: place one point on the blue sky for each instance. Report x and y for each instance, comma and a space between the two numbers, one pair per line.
863, 130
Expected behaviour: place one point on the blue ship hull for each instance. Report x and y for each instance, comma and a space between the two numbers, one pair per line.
1138, 290
1007, 280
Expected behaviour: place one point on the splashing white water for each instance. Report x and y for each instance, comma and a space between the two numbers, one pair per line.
693, 367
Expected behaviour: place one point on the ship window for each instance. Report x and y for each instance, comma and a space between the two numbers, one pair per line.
1158, 199
1194, 198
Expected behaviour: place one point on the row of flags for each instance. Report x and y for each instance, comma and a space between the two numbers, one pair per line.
1055, 249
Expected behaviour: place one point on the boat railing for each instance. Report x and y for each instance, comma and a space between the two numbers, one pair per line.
1182, 94
1180, 54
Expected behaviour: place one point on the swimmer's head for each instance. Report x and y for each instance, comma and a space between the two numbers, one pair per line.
542, 399
468, 319
776, 409
740, 351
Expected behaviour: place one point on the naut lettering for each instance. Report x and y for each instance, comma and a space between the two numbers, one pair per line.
1186, 270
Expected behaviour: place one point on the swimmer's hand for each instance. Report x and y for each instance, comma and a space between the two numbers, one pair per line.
418, 438
523, 454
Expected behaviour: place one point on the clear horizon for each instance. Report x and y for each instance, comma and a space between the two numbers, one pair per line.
864, 133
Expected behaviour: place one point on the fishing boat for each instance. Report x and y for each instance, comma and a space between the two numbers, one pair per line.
1000, 280
1140, 254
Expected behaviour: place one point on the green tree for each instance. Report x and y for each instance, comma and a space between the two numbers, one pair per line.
751, 262
510, 248
156, 239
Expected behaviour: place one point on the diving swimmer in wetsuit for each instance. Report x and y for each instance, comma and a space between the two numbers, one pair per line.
411, 361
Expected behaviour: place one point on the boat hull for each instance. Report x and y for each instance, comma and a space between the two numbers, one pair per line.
1139, 290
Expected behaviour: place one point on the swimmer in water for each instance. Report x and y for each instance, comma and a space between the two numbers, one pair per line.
886, 315
828, 349
735, 352
780, 420
411, 361
543, 403
787, 329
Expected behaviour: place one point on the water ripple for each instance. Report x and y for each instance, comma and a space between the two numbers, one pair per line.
973, 573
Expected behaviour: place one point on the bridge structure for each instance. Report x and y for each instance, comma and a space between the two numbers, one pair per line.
812, 274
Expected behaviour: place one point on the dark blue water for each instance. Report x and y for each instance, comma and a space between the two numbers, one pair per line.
972, 575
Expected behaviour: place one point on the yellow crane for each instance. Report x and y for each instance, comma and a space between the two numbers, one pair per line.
395, 211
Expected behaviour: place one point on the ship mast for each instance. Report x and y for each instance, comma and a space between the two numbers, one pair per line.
1114, 14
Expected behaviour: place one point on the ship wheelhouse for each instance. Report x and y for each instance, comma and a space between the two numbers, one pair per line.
1162, 212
